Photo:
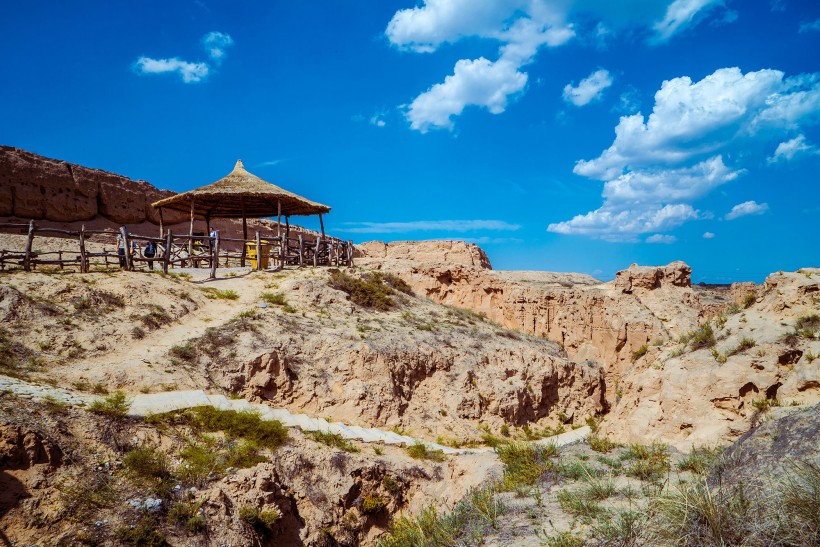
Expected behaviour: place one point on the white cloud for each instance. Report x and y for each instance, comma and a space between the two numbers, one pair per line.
676, 155
378, 120
215, 44
589, 89
708, 235
480, 82
521, 28
661, 238
810, 27
747, 208
458, 226
681, 14
788, 150
629, 101
190, 72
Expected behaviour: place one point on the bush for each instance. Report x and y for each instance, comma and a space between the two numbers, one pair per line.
808, 325
372, 505
420, 451
219, 294
524, 463
144, 533
390, 484
82, 499
601, 444
577, 505
187, 513
244, 424
147, 463
749, 299
156, 317
704, 337
259, 519
700, 460
114, 406
186, 352
650, 463
370, 291
640, 352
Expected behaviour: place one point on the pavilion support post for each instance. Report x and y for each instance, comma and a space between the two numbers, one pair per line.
287, 225
191, 233
349, 253
214, 256
126, 240
278, 217
160, 222
301, 251
316, 253
245, 236
208, 225
258, 252
83, 256
322, 224
29, 243
166, 256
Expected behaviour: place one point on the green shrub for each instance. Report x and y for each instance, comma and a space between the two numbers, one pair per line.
764, 404
576, 470
749, 299
421, 451
808, 325
524, 463
601, 444
147, 463
187, 513
563, 539
651, 462
219, 294
704, 337
84, 497
577, 505
144, 533
372, 505
275, 298
640, 352
390, 484
333, 440
370, 291
700, 460
114, 406
625, 529
186, 352
259, 519
244, 424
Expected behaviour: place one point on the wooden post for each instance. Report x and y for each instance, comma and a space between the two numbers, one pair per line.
191, 233
278, 217
29, 242
83, 253
287, 225
349, 253
316, 254
322, 224
208, 225
258, 252
160, 222
283, 248
214, 255
129, 264
245, 235
166, 258
301, 251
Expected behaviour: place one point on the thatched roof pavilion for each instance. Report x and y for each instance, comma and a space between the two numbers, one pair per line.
243, 195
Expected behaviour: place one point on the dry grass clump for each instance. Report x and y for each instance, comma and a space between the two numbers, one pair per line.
602, 444
155, 318
143, 533
372, 290
808, 326
242, 424
372, 505
219, 294
701, 459
261, 520
15, 358
650, 462
114, 406
703, 337
640, 352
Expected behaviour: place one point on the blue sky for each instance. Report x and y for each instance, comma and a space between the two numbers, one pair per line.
559, 135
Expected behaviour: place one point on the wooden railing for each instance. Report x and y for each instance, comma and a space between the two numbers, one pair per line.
172, 251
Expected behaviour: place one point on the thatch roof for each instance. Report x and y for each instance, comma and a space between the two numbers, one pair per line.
241, 194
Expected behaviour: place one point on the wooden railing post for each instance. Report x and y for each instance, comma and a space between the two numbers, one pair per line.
29, 242
349, 253
167, 255
129, 263
316, 254
83, 259
283, 249
214, 255
258, 252
301, 251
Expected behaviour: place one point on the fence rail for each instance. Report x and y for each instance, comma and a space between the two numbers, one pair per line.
171, 251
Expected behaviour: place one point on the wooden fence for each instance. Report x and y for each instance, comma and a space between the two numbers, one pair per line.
172, 251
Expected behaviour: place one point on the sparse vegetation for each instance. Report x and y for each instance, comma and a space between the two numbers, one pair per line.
372, 290
601, 444
640, 352
334, 440
808, 326
650, 462
700, 460
749, 299
114, 406
703, 337
421, 451
155, 318
219, 294
144, 533
372, 505
524, 464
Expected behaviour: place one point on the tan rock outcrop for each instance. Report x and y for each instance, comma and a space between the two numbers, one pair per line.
447, 252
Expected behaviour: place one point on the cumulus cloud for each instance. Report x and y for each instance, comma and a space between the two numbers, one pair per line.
521, 28
589, 89
676, 155
459, 226
681, 14
747, 208
215, 44
661, 238
788, 150
480, 82
708, 235
190, 72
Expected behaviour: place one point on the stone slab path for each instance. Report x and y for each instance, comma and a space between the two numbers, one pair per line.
157, 403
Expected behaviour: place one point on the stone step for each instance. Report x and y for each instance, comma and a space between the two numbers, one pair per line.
220, 401
365, 435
